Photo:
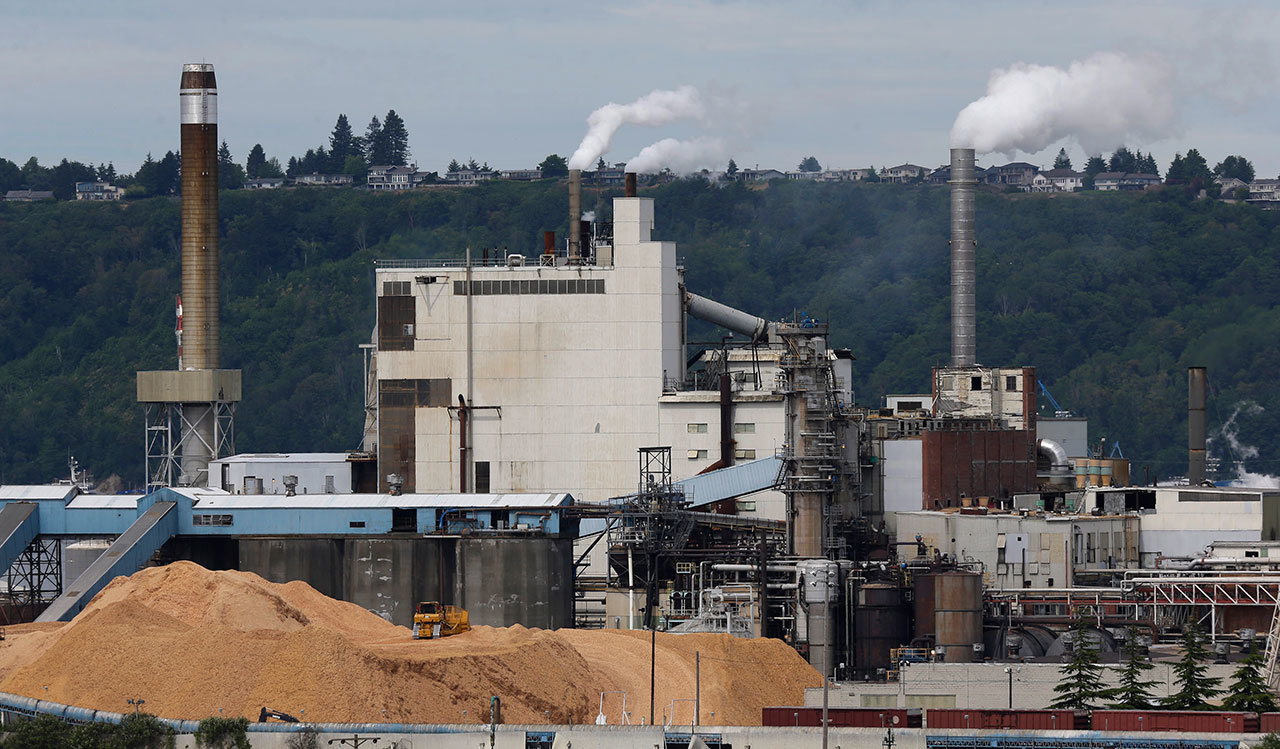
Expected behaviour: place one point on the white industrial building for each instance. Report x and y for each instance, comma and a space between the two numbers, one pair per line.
547, 372
264, 473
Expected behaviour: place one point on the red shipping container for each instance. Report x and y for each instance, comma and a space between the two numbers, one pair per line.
1025, 720
1180, 721
1269, 723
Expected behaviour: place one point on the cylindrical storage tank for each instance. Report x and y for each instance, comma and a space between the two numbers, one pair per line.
820, 593
880, 623
1082, 472
252, 485
1104, 472
922, 589
957, 615
1095, 472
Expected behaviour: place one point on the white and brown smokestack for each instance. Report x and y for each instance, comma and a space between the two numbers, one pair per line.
199, 98
963, 276
575, 214
1196, 381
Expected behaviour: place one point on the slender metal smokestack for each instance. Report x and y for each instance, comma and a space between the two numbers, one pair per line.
963, 320
1195, 425
630, 184
199, 98
575, 213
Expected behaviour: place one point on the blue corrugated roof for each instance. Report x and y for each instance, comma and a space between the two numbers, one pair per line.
734, 481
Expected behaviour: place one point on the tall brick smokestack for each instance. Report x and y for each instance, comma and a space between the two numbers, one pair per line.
199, 97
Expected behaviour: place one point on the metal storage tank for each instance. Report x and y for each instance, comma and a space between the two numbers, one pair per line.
820, 593
880, 623
957, 615
922, 586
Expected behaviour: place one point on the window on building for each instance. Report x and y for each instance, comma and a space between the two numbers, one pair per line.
397, 288
697, 429
975, 382
1011, 382
909, 406
697, 455
482, 477
396, 322
744, 454
356, 524
744, 428
216, 520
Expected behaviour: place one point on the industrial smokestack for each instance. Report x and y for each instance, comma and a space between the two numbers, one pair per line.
199, 99
630, 184
575, 213
1195, 425
963, 319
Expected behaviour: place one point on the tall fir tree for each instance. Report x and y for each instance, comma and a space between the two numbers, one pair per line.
1078, 688
254, 162
1133, 692
1191, 674
373, 145
395, 139
1062, 160
341, 144
1248, 691
230, 174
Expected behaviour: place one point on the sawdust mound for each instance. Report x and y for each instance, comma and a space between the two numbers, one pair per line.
195, 642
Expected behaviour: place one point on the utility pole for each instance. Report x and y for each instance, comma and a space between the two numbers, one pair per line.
697, 687
825, 683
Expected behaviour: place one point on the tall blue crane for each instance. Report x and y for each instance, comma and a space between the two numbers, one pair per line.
1058, 410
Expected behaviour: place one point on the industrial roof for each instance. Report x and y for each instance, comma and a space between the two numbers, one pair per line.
33, 492
105, 502
735, 481
202, 500
285, 458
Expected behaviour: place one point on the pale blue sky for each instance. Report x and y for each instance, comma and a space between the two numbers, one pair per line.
854, 83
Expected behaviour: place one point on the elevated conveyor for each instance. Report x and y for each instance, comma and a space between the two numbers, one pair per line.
735, 481
19, 526
126, 555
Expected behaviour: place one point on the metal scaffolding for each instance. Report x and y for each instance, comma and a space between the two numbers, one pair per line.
171, 425
34, 580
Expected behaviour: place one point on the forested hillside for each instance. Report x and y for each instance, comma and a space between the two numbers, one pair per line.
1111, 296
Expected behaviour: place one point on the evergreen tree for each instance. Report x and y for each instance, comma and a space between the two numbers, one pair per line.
1177, 173
395, 139
373, 145
1148, 165
1133, 693
230, 174
341, 144
1077, 689
1235, 166
10, 176
809, 164
600, 165
66, 174
271, 168
1195, 686
454, 166
1123, 160
292, 168
1062, 160
1092, 168
1248, 691
1197, 168
552, 166
253, 164
473, 166
732, 169
874, 176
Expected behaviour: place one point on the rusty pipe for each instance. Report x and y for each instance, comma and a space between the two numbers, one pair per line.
462, 444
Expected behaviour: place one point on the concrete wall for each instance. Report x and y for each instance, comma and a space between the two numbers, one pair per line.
981, 685
500, 581
903, 479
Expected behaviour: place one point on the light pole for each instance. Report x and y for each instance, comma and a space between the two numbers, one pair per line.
136, 704
1009, 670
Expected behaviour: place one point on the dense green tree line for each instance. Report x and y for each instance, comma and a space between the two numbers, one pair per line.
1110, 296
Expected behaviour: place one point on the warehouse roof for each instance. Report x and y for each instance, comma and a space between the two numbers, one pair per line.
34, 492
203, 499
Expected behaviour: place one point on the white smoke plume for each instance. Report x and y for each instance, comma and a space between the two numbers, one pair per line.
1228, 436
1101, 102
588, 216
679, 155
656, 108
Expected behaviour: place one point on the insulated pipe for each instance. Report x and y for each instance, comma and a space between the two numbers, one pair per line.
755, 328
963, 285
462, 444
1056, 453
575, 213
1195, 425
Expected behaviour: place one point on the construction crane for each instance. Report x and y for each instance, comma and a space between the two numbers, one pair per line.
1058, 410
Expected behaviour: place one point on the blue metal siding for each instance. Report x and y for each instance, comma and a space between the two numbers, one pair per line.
19, 525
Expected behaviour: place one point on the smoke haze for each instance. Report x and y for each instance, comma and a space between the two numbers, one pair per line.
656, 108
679, 155
1101, 102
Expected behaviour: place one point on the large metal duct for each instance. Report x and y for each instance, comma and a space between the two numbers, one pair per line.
1056, 454
963, 285
755, 328
575, 213
1195, 425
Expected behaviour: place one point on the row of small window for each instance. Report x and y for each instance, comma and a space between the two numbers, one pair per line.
397, 288
737, 429
738, 454
533, 286
1010, 382
220, 520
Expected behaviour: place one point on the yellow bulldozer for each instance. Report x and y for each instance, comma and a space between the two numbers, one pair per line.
432, 620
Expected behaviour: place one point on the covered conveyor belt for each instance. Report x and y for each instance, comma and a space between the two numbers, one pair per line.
19, 526
126, 555
732, 482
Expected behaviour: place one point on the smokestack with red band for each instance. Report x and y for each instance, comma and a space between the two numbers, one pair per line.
963, 322
199, 99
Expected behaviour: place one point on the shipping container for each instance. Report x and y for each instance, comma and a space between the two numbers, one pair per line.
1027, 720
842, 717
1181, 721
